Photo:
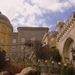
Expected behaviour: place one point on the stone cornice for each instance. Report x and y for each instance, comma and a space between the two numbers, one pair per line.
33, 28
13, 33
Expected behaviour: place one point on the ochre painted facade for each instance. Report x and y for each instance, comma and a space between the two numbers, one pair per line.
5, 29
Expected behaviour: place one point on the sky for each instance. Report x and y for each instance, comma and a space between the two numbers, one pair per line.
36, 13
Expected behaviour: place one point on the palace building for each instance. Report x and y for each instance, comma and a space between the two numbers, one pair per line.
62, 38
23, 36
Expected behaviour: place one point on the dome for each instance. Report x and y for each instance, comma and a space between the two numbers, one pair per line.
3, 17
59, 23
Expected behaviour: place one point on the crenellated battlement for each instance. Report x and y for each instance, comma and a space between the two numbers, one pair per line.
67, 27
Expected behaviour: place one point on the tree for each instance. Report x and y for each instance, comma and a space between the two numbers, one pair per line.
42, 52
56, 55
2, 58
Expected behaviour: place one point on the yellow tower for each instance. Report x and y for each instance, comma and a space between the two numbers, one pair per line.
5, 29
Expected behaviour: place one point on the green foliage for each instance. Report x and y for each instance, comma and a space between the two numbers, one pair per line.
70, 70
56, 55
42, 52
64, 71
2, 59
36, 66
67, 70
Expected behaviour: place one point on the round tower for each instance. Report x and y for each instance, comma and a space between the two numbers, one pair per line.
59, 25
5, 29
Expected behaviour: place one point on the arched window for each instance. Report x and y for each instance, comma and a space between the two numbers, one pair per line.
2, 40
22, 39
3, 28
14, 41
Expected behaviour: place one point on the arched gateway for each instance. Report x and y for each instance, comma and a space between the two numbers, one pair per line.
67, 50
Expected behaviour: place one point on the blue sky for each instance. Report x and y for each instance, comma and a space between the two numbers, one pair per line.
37, 13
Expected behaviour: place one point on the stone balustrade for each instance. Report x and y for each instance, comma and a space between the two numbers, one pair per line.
48, 67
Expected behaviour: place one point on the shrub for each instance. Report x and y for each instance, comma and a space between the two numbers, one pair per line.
67, 70
37, 67
56, 55
70, 70
64, 71
12, 69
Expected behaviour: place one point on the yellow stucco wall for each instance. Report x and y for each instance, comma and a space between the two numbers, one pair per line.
5, 29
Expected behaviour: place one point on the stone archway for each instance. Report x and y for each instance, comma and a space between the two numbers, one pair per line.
67, 50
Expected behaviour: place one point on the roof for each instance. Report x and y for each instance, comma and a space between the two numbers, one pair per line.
3, 17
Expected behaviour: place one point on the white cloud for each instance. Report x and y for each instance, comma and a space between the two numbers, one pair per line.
54, 5
72, 2
32, 9
32, 21
21, 21
10, 7
49, 26
22, 13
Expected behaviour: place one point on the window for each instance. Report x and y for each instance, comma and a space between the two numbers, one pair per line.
3, 27
23, 39
22, 47
13, 47
2, 40
14, 41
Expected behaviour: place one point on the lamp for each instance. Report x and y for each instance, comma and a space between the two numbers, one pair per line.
45, 61
65, 64
38, 60
52, 63
59, 63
